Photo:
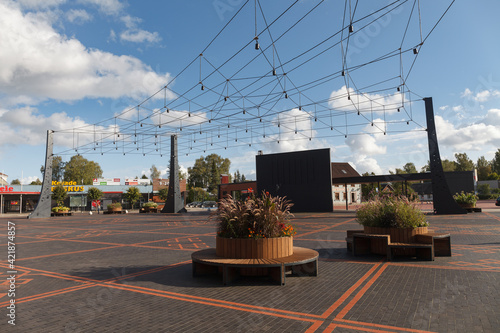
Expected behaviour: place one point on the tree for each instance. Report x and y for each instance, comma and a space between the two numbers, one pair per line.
94, 193
495, 163
448, 165
163, 193
237, 177
463, 163
57, 168
80, 169
155, 173
484, 189
132, 195
36, 182
59, 194
483, 168
15, 182
493, 176
410, 168
367, 189
206, 171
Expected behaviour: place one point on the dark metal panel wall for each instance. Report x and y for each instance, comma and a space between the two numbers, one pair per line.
303, 177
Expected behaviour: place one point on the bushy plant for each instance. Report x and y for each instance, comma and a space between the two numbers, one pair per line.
114, 205
150, 204
463, 198
57, 209
389, 211
256, 217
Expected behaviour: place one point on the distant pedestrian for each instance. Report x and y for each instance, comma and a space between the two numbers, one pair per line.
98, 206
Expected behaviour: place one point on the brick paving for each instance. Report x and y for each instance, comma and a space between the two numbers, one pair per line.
132, 273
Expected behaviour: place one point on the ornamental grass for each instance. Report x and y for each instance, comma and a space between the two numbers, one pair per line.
389, 211
255, 217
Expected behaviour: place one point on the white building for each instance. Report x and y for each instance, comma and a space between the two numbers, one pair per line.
339, 193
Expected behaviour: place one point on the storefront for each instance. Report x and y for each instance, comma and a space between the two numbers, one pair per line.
24, 198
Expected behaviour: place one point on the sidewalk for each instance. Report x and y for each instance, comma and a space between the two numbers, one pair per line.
132, 273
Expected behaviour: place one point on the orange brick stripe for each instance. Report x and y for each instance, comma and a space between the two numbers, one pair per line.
492, 216
324, 229
446, 267
73, 252
360, 294
394, 328
348, 293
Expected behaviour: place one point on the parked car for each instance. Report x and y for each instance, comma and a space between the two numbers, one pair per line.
497, 203
193, 204
209, 204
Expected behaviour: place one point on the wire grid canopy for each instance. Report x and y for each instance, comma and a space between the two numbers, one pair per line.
263, 80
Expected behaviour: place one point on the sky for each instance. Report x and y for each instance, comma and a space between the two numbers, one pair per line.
96, 65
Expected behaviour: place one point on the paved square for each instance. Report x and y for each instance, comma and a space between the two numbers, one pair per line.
132, 273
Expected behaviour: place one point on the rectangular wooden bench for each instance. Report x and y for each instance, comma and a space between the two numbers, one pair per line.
423, 251
369, 243
440, 241
348, 239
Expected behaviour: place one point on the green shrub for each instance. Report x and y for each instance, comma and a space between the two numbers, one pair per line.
388, 211
150, 204
114, 205
465, 198
256, 217
60, 208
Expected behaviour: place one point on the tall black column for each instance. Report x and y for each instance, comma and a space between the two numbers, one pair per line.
441, 195
42, 209
174, 202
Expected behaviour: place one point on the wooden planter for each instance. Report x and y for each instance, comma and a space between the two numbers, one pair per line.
115, 210
261, 248
466, 205
398, 235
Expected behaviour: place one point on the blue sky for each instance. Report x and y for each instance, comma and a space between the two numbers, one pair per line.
71, 64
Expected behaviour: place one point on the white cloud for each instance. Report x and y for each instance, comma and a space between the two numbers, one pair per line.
295, 133
467, 92
365, 102
444, 107
26, 126
136, 35
364, 144
458, 108
108, 7
40, 4
363, 164
38, 63
472, 137
493, 117
480, 96
78, 16
140, 36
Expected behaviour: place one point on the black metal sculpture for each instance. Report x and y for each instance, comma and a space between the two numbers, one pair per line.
42, 208
442, 197
174, 202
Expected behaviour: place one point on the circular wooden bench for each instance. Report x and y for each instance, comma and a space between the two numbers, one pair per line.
302, 261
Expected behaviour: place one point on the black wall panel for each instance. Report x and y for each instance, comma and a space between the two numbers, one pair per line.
304, 177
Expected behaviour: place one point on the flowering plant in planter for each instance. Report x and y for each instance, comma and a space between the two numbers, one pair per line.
114, 205
150, 204
466, 199
256, 217
387, 211
58, 209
